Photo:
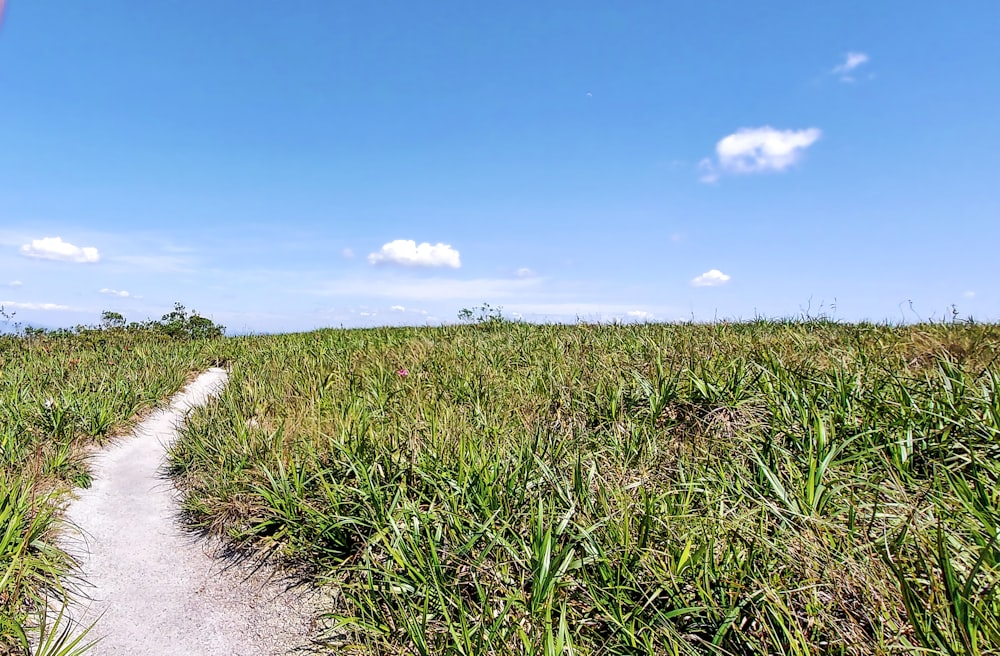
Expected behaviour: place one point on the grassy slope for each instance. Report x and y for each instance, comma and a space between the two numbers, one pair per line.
746, 488
59, 394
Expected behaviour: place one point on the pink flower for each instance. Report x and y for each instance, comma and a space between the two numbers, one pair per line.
403, 373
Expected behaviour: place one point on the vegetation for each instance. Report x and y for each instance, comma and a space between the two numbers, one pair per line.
59, 394
184, 324
502, 488
179, 323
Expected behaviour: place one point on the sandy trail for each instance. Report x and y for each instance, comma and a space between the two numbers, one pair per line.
154, 588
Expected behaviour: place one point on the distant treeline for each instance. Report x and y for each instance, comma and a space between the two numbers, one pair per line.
179, 323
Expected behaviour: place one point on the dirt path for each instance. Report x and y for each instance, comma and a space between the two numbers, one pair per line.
153, 587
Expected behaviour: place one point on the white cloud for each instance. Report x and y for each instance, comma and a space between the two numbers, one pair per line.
54, 248
347, 252
759, 150
969, 294
851, 61
397, 308
407, 252
711, 278
120, 293
15, 283
33, 306
525, 272
640, 315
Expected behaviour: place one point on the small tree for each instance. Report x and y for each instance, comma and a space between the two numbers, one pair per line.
199, 327
173, 323
7, 316
485, 315
182, 324
112, 320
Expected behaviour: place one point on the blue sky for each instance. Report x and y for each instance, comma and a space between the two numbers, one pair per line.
286, 166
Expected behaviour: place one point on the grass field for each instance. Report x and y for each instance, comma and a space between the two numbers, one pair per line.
504, 488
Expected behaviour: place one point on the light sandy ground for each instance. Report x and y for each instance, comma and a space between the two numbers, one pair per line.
153, 587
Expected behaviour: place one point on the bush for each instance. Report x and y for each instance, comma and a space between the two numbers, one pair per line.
182, 324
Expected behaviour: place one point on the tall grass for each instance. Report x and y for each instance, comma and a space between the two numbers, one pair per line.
60, 394
763, 487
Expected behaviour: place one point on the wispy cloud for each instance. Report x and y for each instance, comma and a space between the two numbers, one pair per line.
844, 70
711, 278
155, 263
757, 150
430, 289
347, 253
587, 310
525, 272
406, 252
120, 293
15, 283
33, 306
54, 248
969, 294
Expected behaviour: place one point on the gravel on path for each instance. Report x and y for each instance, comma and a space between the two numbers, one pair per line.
151, 586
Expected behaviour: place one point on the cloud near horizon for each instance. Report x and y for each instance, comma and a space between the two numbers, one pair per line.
120, 293
54, 248
758, 150
406, 252
33, 306
711, 278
